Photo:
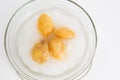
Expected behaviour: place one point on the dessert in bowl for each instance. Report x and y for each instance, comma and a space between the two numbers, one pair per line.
26, 40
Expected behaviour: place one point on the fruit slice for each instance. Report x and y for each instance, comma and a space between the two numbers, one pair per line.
57, 48
64, 32
40, 52
45, 25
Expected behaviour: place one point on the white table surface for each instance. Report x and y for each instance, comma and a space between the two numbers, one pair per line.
106, 16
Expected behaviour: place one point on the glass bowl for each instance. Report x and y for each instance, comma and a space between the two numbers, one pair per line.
65, 7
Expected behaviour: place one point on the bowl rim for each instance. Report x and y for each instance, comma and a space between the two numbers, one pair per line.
73, 2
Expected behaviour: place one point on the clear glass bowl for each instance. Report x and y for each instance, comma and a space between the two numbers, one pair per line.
37, 6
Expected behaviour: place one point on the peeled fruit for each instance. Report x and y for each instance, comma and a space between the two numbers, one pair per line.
57, 48
45, 25
40, 52
53, 45
64, 32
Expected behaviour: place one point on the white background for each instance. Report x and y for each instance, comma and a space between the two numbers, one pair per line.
106, 16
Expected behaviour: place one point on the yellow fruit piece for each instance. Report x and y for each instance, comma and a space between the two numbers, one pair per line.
64, 32
57, 48
45, 25
40, 52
